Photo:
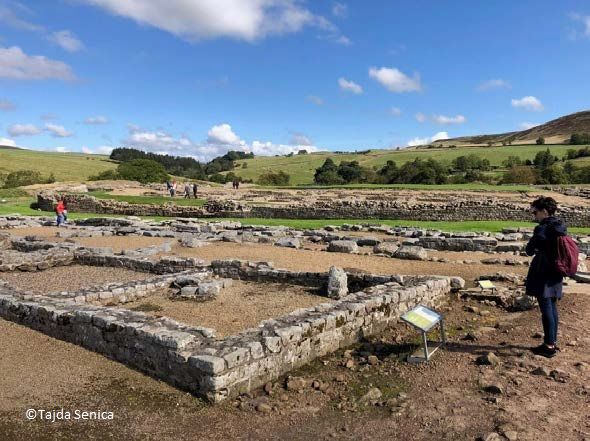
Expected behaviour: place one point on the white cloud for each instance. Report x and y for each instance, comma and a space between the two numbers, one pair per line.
16, 65
270, 149
158, 141
395, 111
66, 40
96, 120
101, 150
224, 135
7, 105
23, 130
339, 10
7, 142
585, 21
315, 100
395, 80
301, 139
220, 139
443, 119
61, 149
58, 131
349, 86
12, 18
528, 103
494, 84
342, 39
439, 136
248, 20
420, 117
527, 125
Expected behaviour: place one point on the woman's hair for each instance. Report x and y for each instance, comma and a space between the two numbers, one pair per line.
545, 203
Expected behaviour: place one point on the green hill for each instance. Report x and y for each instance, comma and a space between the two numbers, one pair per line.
301, 168
64, 166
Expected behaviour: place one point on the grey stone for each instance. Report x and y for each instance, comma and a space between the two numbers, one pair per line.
387, 248
288, 242
337, 283
411, 252
343, 246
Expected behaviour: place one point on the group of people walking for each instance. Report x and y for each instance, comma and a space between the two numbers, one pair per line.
189, 189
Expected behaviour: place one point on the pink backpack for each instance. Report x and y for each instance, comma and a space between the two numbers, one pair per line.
567, 256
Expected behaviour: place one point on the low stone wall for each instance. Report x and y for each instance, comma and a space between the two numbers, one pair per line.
192, 359
486, 209
265, 273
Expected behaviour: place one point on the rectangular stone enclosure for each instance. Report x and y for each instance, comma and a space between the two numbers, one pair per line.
192, 357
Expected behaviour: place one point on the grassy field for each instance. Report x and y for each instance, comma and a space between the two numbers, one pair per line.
64, 166
301, 168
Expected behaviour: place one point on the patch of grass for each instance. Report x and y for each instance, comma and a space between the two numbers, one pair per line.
11, 193
477, 226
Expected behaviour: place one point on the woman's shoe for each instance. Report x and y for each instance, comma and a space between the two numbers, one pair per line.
544, 351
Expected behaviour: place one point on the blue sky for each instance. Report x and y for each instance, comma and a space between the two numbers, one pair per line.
273, 76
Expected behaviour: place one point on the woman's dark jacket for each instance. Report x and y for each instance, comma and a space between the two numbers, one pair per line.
543, 279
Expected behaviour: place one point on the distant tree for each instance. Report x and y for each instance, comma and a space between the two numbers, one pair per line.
580, 138
21, 178
420, 171
471, 162
270, 178
350, 172
553, 174
540, 140
327, 174
302, 152
511, 161
107, 175
388, 173
544, 159
519, 174
142, 170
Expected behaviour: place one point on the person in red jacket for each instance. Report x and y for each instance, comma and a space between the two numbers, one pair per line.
59, 211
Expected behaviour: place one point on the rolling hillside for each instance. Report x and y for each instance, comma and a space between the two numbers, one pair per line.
301, 168
64, 166
556, 131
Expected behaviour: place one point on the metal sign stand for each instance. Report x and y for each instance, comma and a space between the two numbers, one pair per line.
424, 354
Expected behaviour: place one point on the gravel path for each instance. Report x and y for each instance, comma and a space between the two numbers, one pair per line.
304, 260
69, 278
239, 307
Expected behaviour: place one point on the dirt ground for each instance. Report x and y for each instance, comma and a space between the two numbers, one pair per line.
241, 306
447, 399
70, 278
306, 260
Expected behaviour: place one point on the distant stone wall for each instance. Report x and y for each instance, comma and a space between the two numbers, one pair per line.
486, 209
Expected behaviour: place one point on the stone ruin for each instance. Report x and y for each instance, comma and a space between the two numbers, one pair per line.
467, 207
193, 358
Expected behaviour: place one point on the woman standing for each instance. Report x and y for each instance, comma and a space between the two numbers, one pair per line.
544, 281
